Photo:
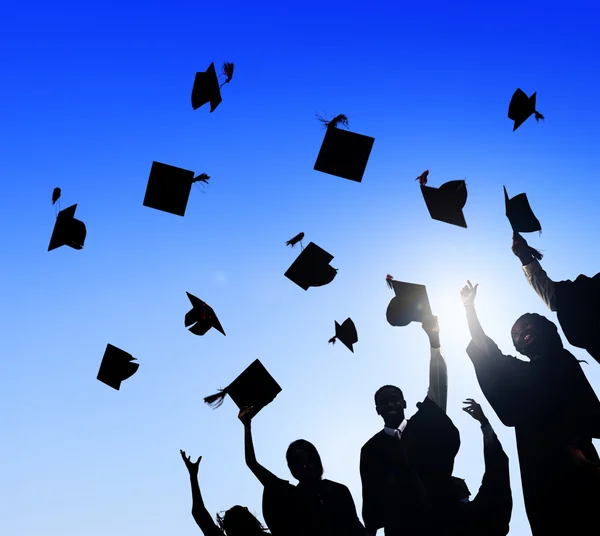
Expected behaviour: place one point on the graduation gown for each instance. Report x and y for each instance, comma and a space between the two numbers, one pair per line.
578, 312
489, 513
325, 509
552, 406
402, 479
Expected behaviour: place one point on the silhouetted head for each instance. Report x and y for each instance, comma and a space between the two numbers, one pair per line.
238, 521
390, 404
535, 336
304, 461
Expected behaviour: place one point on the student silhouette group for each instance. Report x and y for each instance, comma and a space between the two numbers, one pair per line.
406, 469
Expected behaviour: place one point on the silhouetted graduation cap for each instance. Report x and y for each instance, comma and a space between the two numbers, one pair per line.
521, 107
343, 153
519, 214
116, 367
346, 333
201, 317
254, 387
446, 202
410, 304
168, 188
311, 268
68, 231
206, 89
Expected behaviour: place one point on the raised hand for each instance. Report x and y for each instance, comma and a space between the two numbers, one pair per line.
474, 410
246, 414
192, 467
468, 294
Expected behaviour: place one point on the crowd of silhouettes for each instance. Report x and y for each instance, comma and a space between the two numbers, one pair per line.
406, 469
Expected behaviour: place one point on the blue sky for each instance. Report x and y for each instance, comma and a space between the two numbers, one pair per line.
93, 93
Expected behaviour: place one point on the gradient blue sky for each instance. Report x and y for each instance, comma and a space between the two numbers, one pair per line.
93, 93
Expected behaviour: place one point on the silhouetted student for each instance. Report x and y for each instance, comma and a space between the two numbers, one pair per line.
576, 303
489, 513
406, 468
237, 521
555, 413
315, 506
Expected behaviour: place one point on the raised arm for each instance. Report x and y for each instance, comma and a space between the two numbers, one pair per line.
438, 372
537, 277
468, 294
264, 475
199, 512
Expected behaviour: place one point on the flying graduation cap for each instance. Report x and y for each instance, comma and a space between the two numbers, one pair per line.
521, 107
410, 304
254, 387
207, 88
311, 268
519, 214
343, 153
67, 231
116, 367
346, 333
446, 202
169, 187
201, 318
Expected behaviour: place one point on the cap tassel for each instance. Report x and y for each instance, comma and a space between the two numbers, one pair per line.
422, 178
340, 119
228, 72
389, 279
214, 401
538, 115
203, 177
332, 340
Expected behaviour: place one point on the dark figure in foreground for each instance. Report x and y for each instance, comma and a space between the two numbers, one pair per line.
555, 413
489, 513
406, 468
315, 506
237, 521
576, 303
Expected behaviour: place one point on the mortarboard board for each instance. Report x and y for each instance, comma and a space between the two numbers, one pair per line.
67, 230
446, 202
346, 333
206, 89
311, 268
201, 317
410, 304
254, 387
116, 367
168, 188
521, 107
519, 214
343, 153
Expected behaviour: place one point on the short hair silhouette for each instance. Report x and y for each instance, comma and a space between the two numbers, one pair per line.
302, 444
383, 388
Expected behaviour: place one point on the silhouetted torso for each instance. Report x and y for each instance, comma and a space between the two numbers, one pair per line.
551, 405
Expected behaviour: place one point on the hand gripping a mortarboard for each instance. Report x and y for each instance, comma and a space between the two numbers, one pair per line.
468, 294
524, 251
192, 467
246, 414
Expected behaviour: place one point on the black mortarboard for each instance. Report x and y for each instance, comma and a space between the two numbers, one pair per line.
344, 154
116, 367
168, 188
201, 317
519, 214
446, 202
206, 89
346, 333
521, 107
311, 268
410, 304
254, 387
67, 230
